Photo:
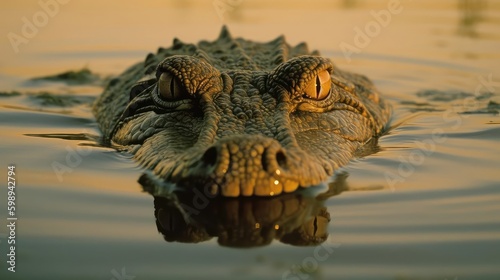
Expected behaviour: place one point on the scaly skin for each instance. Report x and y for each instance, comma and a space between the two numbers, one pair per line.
236, 117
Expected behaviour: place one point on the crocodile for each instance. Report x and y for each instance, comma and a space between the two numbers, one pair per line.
235, 117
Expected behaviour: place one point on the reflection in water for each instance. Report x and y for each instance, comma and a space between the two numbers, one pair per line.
471, 15
298, 219
191, 216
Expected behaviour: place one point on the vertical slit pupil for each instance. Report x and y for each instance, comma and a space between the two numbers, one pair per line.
172, 87
315, 223
318, 87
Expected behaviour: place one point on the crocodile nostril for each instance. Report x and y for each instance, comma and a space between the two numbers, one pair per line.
270, 163
264, 161
281, 159
210, 156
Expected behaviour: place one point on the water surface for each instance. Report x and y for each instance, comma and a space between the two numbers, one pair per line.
425, 207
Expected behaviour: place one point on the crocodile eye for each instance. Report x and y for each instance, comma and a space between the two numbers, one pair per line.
319, 88
169, 88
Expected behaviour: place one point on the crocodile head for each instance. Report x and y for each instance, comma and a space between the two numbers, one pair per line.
240, 118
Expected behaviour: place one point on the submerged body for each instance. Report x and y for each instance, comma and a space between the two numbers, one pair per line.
240, 118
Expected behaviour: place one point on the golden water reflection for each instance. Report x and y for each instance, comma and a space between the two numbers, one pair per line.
298, 219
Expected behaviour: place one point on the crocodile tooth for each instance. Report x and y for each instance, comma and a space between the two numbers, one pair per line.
265, 189
231, 189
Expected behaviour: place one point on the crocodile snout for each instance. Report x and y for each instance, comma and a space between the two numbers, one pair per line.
245, 165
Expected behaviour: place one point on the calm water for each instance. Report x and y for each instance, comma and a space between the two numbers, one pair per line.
427, 206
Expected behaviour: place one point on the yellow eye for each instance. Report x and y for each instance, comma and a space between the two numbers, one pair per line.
319, 88
169, 88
